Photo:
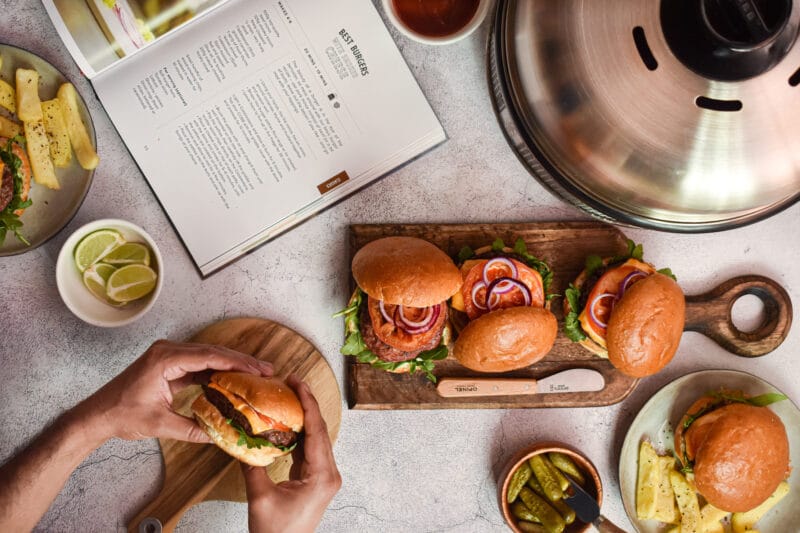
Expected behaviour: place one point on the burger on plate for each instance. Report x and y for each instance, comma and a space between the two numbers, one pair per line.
500, 311
253, 418
736, 447
624, 309
397, 317
15, 184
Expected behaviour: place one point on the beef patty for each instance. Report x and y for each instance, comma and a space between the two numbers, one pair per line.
278, 438
6, 187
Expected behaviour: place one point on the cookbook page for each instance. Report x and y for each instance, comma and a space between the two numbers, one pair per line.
253, 119
100, 33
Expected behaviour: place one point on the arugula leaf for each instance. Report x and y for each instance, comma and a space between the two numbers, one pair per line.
355, 346
9, 221
255, 442
667, 272
498, 245
572, 326
465, 253
593, 262
537, 264
762, 400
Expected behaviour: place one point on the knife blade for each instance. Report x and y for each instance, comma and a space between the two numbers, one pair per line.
587, 509
573, 380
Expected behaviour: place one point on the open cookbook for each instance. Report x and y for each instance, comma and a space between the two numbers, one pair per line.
249, 116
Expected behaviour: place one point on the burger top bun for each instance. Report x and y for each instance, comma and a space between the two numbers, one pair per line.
646, 325
506, 339
269, 396
741, 454
406, 271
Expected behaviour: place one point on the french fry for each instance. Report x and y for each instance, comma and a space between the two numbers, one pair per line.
29, 107
39, 154
666, 510
647, 482
56, 129
743, 522
687, 503
78, 135
710, 519
8, 97
9, 128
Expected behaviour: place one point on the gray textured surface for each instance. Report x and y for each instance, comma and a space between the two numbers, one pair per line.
403, 471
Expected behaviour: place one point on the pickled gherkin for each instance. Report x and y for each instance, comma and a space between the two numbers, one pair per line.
548, 516
530, 527
567, 512
563, 482
521, 511
544, 475
564, 463
518, 480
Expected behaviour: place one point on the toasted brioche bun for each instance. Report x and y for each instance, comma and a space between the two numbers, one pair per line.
268, 396
646, 325
740, 454
506, 339
405, 271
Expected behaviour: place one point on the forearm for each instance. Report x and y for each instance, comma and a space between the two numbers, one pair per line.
31, 480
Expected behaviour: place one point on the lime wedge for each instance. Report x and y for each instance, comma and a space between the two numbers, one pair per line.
95, 245
130, 253
95, 278
131, 282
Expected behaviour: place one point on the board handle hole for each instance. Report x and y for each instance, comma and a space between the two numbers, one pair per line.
713, 104
640, 40
794, 79
748, 313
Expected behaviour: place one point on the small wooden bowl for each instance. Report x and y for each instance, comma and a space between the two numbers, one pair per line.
595, 487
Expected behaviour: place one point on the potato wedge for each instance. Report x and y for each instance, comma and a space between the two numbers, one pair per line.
687, 503
9, 128
8, 96
29, 107
666, 509
57, 134
39, 154
742, 522
647, 482
78, 135
710, 519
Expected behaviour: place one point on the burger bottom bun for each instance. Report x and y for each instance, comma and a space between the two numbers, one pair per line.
646, 325
226, 437
506, 339
743, 457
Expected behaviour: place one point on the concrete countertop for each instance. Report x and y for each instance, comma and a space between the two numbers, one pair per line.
403, 470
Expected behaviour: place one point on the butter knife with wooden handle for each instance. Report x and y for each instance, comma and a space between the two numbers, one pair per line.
573, 380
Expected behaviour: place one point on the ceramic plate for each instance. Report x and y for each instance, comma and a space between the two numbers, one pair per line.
662, 412
51, 209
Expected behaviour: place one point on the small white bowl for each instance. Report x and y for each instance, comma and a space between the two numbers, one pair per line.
78, 298
477, 19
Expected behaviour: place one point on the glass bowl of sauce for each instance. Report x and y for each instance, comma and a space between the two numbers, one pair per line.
436, 21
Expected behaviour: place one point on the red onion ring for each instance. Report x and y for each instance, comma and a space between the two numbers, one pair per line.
526, 292
628, 281
475, 288
385, 313
416, 323
593, 304
505, 261
436, 311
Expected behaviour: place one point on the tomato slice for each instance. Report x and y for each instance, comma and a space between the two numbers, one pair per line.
513, 298
609, 282
396, 337
274, 424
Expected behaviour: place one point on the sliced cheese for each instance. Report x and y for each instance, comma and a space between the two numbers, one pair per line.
258, 423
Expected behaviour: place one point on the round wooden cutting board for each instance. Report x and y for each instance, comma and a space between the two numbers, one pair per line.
201, 472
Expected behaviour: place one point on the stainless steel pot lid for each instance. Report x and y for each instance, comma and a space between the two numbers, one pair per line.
681, 115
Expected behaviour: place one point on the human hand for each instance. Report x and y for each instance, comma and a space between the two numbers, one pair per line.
137, 403
296, 505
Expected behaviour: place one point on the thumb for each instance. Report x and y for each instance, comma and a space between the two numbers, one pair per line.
175, 426
256, 481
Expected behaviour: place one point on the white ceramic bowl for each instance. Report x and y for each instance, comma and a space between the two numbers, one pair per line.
477, 19
78, 298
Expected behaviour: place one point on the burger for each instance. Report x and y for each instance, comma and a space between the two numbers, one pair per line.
397, 317
736, 447
15, 184
253, 418
625, 310
501, 312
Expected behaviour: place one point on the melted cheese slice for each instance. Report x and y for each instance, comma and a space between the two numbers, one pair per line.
258, 423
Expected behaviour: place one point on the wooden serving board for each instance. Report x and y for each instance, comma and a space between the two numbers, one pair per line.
202, 472
564, 246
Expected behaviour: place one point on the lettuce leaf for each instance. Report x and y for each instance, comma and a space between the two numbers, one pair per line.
255, 442
10, 222
572, 326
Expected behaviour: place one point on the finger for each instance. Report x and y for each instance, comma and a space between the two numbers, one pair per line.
317, 447
257, 482
186, 358
175, 426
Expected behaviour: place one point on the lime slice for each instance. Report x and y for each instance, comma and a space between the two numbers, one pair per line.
130, 283
95, 278
130, 253
95, 245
